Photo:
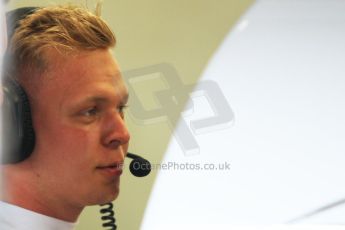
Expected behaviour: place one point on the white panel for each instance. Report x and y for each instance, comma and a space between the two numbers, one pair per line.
282, 71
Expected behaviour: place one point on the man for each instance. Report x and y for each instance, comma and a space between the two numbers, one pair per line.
61, 57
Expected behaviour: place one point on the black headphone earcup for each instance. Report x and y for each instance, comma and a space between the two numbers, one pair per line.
18, 136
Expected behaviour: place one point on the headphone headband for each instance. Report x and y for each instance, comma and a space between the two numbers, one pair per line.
13, 18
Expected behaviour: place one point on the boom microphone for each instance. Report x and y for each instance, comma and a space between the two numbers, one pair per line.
139, 166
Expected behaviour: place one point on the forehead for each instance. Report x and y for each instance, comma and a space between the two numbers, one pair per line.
87, 74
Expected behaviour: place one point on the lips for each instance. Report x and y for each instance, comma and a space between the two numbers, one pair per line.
114, 169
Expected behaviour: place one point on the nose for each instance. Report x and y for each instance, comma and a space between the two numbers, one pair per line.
115, 132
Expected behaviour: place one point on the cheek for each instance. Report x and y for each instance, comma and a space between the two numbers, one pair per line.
69, 144
64, 140
77, 141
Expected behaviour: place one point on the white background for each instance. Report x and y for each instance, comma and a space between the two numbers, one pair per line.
282, 70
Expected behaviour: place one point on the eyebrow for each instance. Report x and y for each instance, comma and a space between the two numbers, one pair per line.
103, 99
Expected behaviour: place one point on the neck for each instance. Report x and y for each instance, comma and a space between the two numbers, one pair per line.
22, 187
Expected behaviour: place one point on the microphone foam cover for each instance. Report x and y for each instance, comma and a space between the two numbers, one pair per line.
140, 167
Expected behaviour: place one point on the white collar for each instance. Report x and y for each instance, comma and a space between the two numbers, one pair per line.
14, 217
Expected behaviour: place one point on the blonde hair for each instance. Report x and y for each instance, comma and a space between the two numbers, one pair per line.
67, 29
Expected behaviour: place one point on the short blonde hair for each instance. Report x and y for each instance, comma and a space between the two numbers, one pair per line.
67, 29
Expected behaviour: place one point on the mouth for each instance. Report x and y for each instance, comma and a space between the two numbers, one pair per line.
114, 169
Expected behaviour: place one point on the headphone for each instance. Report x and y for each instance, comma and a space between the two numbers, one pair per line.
18, 136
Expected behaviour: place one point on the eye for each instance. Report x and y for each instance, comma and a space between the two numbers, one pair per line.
90, 112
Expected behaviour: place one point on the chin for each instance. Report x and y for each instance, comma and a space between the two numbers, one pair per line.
109, 197
103, 197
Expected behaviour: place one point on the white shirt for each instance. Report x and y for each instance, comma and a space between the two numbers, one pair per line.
14, 217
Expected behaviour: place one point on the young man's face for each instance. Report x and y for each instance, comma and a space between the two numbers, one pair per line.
81, 134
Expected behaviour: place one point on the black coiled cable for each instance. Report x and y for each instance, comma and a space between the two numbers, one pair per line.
139, 167
108, 216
